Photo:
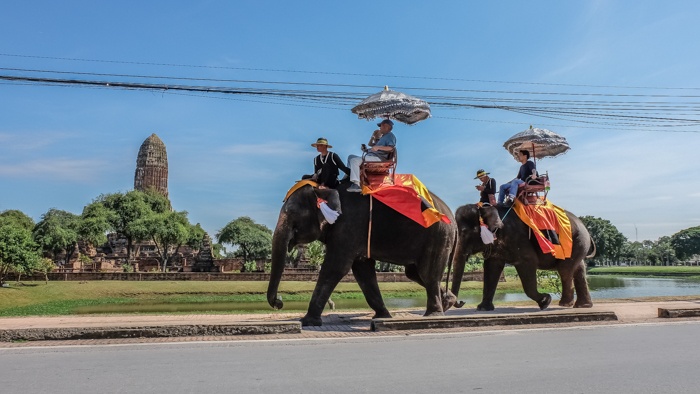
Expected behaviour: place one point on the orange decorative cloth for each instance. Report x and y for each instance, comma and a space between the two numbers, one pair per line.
409, 197
298, 186
547, 217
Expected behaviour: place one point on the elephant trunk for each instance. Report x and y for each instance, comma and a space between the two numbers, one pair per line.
280, 241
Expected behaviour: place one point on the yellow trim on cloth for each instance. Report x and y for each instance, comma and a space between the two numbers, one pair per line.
298, 186
406, 196
535, 216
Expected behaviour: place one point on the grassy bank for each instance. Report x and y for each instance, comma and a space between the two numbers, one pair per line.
64, 298
647, 271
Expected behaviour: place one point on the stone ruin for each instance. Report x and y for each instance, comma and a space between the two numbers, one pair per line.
152, 166
112, 257
151, 174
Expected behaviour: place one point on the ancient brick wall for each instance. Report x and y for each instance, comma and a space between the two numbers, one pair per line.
203, 276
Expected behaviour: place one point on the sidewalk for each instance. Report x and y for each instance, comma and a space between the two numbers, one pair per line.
102, 329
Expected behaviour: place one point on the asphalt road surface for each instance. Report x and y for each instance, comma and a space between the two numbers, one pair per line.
645, 358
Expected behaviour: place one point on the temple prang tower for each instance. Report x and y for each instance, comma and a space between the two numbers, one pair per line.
152, 166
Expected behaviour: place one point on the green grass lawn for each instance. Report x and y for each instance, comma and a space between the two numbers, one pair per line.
64, 297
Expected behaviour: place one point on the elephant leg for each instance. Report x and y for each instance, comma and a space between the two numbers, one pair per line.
567, 288
411, 272
528, 278
492, 274
366, 277
328, 279
436, 301
583, 296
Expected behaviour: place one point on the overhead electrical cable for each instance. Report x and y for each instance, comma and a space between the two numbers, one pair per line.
623, 113
338, 73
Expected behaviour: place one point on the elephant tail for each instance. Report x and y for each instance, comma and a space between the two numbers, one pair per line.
591, 249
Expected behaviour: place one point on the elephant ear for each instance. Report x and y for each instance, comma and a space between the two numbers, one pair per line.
490, 216
332, 198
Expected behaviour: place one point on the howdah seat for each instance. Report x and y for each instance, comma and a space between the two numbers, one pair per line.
378, 172
529, 192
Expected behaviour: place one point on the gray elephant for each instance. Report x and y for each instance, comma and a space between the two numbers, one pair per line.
515, 245
424, 252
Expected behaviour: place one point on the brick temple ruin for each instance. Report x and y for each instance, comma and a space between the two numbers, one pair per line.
151, 174
152, 166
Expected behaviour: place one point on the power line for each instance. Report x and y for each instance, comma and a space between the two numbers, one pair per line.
610, 115
505, 92
341, 73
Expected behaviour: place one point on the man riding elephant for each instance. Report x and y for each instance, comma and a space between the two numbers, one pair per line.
395, 238
515, 245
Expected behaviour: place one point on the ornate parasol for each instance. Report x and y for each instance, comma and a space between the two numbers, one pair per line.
539, 142
392, 104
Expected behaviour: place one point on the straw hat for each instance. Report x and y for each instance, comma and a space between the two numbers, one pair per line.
321, 141
481, 173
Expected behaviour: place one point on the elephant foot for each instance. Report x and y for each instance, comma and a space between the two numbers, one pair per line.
382, 315
583, 304
545, 301
485, 306
566, 303
448, 301
308, 321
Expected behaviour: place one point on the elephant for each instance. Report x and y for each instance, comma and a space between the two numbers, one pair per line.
424, 252
514, 245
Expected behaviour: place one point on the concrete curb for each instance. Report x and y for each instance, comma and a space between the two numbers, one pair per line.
179, 330
679, 312
490, 320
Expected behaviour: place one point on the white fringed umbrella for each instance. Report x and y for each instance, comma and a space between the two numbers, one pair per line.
539, 142
390, 104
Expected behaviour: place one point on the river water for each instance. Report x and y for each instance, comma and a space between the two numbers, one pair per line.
601, 287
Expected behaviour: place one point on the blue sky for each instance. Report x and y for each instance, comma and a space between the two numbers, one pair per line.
231, 156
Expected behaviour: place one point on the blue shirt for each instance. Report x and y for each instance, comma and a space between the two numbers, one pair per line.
388, 139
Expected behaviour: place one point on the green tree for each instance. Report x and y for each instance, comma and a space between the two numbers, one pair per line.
218, 251
315, 252
686, 243
56, 232
94, 223
608, 240
44, 266
663, 253
169, 231
254, 241
18, 251
636, 253
17, 217
125, 210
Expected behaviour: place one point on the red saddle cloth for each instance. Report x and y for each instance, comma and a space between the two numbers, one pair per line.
408, 196
547, 219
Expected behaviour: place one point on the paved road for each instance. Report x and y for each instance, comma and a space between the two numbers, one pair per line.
628, 358
336, 324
